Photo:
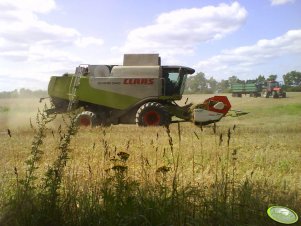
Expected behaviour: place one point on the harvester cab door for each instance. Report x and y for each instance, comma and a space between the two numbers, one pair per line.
173, 81
170, 78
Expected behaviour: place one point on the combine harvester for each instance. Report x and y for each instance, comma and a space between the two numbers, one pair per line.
141, 91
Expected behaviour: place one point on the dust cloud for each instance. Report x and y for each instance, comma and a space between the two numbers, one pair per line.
16, 113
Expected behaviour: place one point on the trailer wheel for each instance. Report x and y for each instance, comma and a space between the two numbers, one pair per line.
152, 114
86, 119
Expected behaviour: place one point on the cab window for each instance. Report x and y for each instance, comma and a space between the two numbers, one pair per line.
170, 81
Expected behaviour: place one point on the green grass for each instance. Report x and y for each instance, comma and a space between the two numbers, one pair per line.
184, 175
289, 109
4, 109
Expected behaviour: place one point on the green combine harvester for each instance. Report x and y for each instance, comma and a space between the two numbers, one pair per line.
141, 91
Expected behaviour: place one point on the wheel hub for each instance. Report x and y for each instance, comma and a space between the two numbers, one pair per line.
152, 118
85, 121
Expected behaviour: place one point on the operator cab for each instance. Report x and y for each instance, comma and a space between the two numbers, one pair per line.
273, 84
174, 79
82, 69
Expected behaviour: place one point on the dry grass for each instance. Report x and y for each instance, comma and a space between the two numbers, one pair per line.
260, 151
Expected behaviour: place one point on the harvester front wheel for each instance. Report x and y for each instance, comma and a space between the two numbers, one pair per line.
86, 119
152, 114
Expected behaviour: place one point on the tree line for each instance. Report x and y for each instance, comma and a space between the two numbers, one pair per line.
200, 84
23, 93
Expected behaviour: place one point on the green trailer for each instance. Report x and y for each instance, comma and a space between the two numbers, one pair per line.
252, 88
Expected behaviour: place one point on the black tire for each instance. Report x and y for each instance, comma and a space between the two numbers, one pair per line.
152, 114
275, 95
86, 119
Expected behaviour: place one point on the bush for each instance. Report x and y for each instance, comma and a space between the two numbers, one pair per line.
292, 88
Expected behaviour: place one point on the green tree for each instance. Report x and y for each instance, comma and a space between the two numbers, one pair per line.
272, 78
292, 78
197, 83
260, 79
212, 85
25, 92
233, 79
224, 86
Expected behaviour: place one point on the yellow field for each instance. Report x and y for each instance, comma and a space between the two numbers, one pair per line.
263, 147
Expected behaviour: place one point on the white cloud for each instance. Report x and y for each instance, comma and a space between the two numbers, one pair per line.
180, 31
20, 25
32, 46
281, 2
241, 60
29, 5
86, 41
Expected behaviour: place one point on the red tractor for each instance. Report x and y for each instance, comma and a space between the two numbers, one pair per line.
274, 89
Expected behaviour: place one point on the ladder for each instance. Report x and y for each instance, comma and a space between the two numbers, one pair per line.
74, 84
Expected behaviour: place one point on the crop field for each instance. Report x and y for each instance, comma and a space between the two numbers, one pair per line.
53, 173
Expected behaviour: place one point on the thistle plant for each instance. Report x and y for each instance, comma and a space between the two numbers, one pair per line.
42, 119
54, 174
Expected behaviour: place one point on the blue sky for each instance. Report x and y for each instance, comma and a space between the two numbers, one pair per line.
41, 38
